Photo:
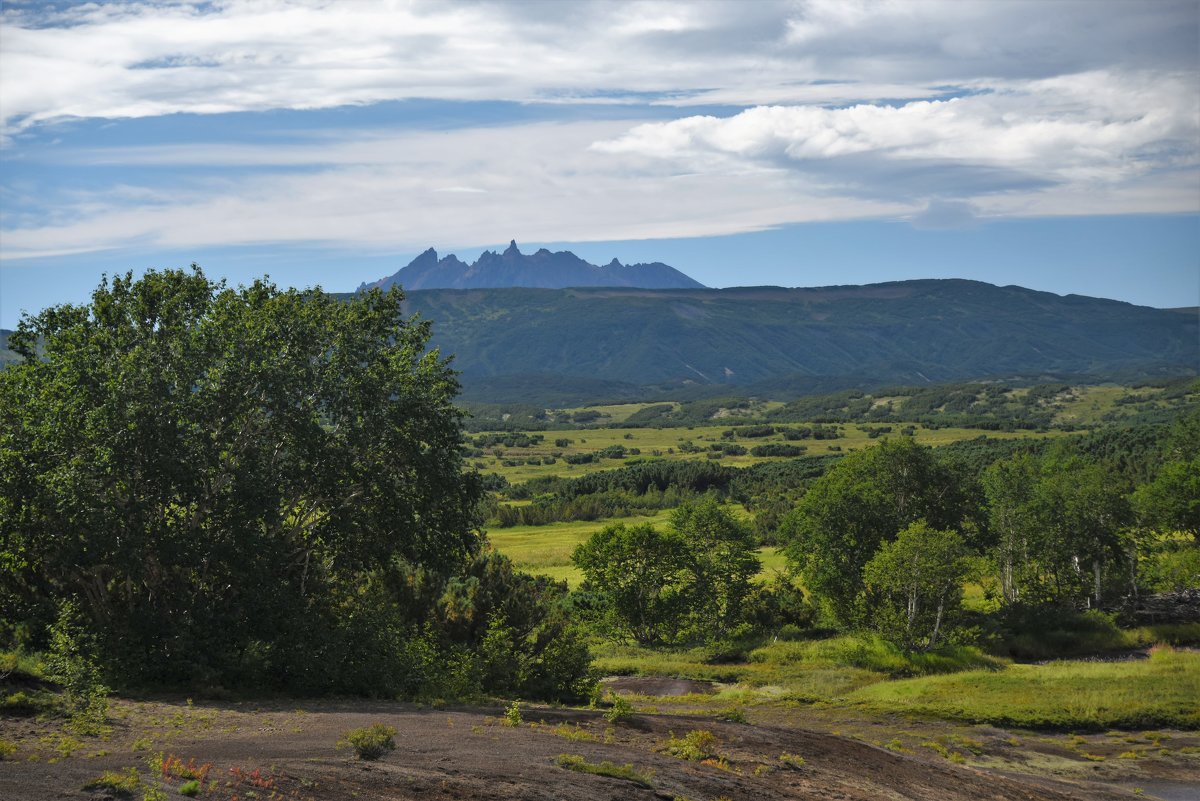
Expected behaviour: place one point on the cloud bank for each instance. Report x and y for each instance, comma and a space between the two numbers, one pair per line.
728, 117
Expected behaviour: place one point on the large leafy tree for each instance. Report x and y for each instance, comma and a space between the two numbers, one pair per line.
862, 502
207, 470
688, 582
640, 577
914, 585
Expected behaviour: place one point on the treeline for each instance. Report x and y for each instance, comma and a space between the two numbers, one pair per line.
987, 406
652, 485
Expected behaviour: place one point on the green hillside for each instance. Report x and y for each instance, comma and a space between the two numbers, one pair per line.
797, 340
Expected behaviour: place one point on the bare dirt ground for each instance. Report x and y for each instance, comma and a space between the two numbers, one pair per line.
286, 751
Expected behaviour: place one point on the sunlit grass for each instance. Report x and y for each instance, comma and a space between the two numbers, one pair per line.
666, 440
1160, 691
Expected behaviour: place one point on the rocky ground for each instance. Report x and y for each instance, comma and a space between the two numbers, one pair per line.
287, 751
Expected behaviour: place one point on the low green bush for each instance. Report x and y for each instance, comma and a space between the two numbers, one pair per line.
695, 746
621, 710
370, 742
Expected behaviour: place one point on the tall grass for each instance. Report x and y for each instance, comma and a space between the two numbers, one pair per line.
870, 652
1162, 691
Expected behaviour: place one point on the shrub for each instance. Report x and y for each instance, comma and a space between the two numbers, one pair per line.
73, 664
190, 789
370, 742
621, 710
695, 746
512, 715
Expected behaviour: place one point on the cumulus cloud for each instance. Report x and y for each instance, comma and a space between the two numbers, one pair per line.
1099, 129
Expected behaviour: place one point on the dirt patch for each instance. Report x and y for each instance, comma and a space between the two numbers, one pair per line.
288, 752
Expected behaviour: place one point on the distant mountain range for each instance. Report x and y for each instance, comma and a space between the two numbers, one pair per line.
540, 270
534, 344
584, 345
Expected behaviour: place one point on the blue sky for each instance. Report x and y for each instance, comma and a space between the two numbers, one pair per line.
799, 143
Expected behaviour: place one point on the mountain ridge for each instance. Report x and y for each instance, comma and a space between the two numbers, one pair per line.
542, 269
899, 332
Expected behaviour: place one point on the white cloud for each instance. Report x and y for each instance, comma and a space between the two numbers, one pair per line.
1096, 129
416, 189
935, 112
139, 59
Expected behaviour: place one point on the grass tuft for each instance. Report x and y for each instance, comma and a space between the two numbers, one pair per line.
119, 783
628, 773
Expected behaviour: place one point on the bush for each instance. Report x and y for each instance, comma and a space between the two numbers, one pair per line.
695, 746
370, 742
72, 663
620, 711
512, 715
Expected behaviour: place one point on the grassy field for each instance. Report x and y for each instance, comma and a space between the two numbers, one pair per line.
862, 672
1160, 691
666, 442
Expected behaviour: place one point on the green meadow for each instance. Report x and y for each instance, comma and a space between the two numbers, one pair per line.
666, 443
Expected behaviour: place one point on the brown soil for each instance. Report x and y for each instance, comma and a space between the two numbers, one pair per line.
468, 753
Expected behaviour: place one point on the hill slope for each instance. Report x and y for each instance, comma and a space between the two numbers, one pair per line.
909, 332
542, 269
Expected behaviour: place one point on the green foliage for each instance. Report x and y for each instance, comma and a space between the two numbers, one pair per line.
72, 663
191, 789
695, 746
178, 438
620, 710
1169, 567
22, 704
1058, 519
639, 573
914, 585
370, 742
659, 586
872, 652
732, 715
512, 715
122, 783
628, 773
1171, 502
862, 502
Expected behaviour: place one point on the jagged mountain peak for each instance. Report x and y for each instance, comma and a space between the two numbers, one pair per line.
540, 270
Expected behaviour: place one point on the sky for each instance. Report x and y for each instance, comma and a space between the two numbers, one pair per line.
1050, 144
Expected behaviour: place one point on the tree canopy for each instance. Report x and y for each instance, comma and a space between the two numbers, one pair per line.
861, 503
211, 471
